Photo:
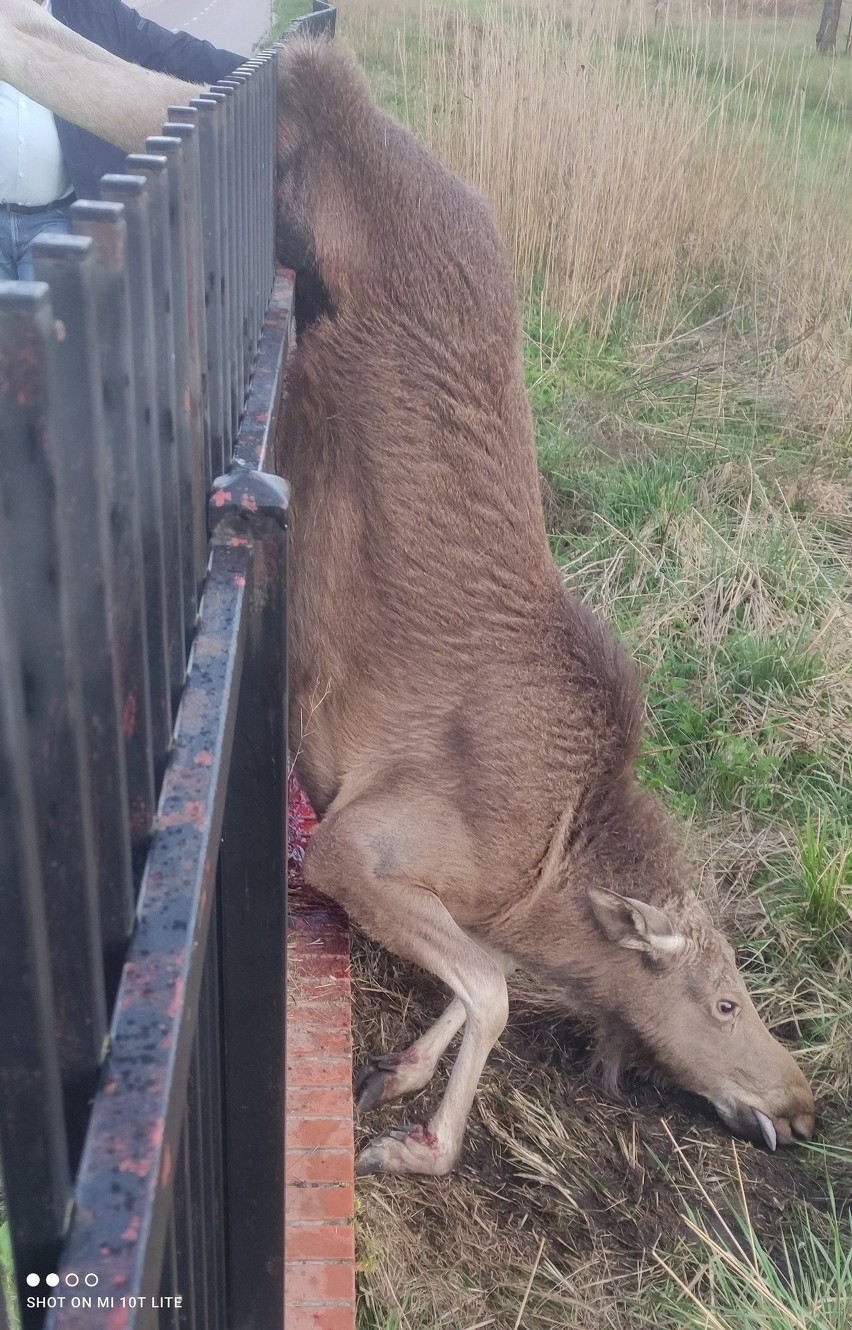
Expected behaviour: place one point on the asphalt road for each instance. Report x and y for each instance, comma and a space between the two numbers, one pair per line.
235, 25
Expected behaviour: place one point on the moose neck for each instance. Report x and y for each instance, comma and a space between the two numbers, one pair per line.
621, 841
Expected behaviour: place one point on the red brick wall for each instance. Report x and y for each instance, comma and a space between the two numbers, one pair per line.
320, 1250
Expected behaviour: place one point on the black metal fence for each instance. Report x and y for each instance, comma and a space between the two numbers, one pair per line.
143, 763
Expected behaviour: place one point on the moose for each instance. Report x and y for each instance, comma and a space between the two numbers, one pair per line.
465, 726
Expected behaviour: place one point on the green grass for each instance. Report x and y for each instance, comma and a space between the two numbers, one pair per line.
826, 870
805, 1284
380, 1319
675, 519
801, 1281
8, 1290
283, 13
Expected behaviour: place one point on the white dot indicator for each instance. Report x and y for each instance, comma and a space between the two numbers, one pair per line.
72, 1280
52, 1280
91, 1280
33, 1280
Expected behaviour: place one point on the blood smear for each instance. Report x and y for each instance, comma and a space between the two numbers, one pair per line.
300, 828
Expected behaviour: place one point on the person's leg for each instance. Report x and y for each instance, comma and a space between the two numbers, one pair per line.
57, 221
8, 248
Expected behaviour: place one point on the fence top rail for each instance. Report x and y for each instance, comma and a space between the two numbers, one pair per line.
133, 1142
123, 1190
320, 21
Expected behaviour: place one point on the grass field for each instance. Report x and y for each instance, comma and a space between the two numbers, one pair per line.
676, 188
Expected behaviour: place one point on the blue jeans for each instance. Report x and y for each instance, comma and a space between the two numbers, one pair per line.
18, 230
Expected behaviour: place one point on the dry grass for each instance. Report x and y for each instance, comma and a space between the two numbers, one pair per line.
669, 168
607, 1185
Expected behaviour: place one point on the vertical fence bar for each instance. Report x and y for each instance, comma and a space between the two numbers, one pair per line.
186, 129
104, 224
245, 76
36, 1181
253, 866
213, 1111
221, 212
132, 192
264, 185
234, 263
229, 178
261, 294
195, 1145
211, 235
253, 126
169, 1318
76, 421
154, 168
273, 169
192, 574
270, 156
239, 81
184, 1206
237, 219
265, 188
268, 132
68, 265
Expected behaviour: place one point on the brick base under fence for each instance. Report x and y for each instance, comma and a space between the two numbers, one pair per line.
320, 1276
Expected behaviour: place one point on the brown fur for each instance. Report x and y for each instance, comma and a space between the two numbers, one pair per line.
477, 730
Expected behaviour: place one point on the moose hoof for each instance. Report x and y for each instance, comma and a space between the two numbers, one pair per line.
406, 1150
385, 1078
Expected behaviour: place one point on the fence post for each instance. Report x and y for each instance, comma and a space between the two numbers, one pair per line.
104, 224
49, 1049
132, 191
187, 387
253, 505
77, 417
234, 390
198, 405
154, 168
32, 1132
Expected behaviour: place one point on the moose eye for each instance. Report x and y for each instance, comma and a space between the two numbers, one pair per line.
726, 1008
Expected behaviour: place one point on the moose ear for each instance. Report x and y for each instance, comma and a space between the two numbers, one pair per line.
634, 924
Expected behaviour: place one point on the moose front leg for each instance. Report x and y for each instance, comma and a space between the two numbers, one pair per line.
368, 857
390, 1076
